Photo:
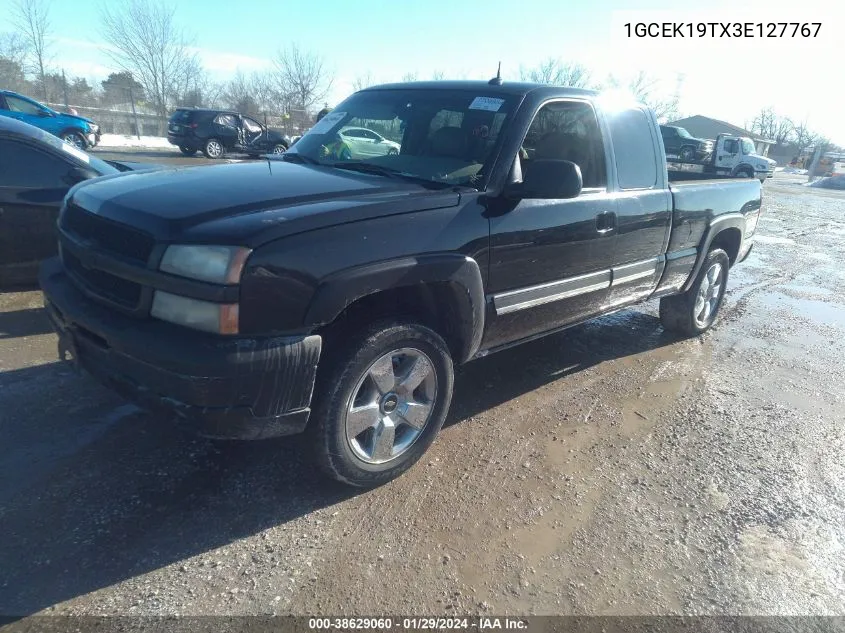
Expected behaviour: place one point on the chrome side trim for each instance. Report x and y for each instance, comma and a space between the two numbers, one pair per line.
634, 271
523, 298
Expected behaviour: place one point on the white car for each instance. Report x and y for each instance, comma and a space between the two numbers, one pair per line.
364, 142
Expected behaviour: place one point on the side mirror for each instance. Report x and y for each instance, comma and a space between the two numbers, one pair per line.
78, 174
548, 179
44, 113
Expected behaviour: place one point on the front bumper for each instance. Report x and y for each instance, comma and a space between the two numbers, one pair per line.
235, 388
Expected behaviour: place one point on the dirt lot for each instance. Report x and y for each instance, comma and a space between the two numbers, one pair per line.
611, 469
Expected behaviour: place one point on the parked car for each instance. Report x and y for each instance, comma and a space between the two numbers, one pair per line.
215, 132
363, 142
72, 129
678, 142
36, 171
337, 296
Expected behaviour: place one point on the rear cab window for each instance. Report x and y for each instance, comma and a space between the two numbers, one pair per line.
634, 148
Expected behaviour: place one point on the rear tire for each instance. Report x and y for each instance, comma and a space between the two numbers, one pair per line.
381, 402
214, 149
694, 312
687, 153
187, 151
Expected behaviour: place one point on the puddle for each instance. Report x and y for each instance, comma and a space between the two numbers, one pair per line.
771, 239
812, 309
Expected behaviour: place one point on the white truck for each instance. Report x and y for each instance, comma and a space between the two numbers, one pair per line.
732, 157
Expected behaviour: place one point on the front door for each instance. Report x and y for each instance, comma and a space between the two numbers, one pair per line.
32, 186
32, 113
254, 134
728, 154
550, 260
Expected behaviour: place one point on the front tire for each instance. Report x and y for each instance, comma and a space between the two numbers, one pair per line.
76, 139
687, 153
381, 403
213, 149
279, 148
694, 312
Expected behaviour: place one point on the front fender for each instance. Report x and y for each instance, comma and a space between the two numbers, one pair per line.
462, 274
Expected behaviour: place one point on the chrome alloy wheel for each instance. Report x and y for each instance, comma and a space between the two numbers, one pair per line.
709, 295
391, 405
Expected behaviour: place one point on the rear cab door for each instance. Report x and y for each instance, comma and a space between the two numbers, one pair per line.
643, 203
225, 127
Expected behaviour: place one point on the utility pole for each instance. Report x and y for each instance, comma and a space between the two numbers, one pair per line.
64, 85
134, 114
815, 162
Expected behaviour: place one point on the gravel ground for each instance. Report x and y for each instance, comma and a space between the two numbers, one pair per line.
611, 469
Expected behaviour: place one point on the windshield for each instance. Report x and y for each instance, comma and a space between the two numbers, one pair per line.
100, 166
747, 146
683, 133
443, 136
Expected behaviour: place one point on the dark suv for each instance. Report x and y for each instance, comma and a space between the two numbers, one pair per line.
215, 132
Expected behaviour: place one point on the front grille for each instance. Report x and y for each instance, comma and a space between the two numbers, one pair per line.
121, 291
107, 235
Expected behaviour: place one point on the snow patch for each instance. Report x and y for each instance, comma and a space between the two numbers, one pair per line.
124, 140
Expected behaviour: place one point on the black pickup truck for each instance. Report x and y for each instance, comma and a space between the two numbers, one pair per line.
324, 292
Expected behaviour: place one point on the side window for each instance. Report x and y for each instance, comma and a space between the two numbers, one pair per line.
23, 106
731, 146
368, 135
227, 120
251, 125
747, 146
22, 166
568, 130
352, 133
633, 145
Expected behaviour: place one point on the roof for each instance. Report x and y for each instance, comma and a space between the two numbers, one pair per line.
515, 88
193, 109
705, 127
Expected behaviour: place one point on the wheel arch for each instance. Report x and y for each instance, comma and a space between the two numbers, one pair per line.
445, 291
726, 232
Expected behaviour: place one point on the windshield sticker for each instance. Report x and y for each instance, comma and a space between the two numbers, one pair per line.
491, 104
327, 122
70, 149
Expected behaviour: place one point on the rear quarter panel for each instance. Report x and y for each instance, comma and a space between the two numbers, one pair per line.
703, 209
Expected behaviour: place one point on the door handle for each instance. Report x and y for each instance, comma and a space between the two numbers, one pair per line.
605, 222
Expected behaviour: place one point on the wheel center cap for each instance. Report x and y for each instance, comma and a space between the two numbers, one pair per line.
389, 403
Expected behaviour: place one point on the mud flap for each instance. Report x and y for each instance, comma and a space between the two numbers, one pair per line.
67, 349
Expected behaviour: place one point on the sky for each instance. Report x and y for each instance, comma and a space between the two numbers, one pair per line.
725, 78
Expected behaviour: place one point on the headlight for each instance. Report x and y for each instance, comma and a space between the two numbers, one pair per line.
93, 128
220, 318
215, 264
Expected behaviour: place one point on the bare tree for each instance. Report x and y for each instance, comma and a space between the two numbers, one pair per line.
301, 77
644, 88
438, 75
362, 81
556, 72
803, 136
33, 22
771, 125
409, 76
146, 42
13, 51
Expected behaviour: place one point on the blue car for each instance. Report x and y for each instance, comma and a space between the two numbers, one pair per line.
75, 130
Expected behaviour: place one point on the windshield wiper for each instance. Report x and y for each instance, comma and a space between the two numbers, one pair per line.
380, 170
293, 157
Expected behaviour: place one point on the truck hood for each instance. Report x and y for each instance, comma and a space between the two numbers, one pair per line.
250, 203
